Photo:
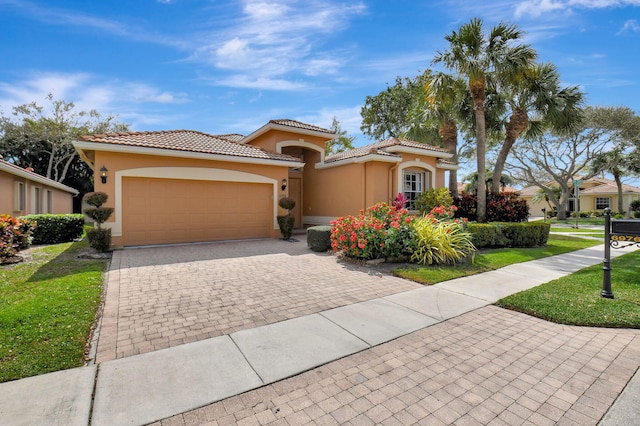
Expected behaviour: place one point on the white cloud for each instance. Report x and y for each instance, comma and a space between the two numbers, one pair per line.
630, 25
535, 8
275, 40
87, 92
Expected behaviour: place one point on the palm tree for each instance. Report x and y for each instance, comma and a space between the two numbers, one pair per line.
478, 58
444, 103
536, 102
619, 164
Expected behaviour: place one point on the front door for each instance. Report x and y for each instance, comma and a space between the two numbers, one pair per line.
295, 192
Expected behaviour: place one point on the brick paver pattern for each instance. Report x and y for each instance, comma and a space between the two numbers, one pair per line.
159, 297
487, 367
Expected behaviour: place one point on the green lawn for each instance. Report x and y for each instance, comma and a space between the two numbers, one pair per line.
575, 299
47, 307
581, 221
488, 260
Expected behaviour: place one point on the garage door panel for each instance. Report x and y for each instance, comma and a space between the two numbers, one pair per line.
175, 211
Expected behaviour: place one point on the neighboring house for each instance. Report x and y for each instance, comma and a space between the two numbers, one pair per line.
187, 186
595, 194
24, 192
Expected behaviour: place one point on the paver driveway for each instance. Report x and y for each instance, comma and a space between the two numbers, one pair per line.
159, 297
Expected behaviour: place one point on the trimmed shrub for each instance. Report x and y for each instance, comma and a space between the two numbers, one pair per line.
15, 235
634, 208
286, 224
99, 238
287, 203
95, 199
503, 207
440, 241
526, 234
56, 228
319, 238
99, 214
509, 234
487, 235
432, 198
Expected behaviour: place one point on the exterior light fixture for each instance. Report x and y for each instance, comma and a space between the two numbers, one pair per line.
284, 184
103, 174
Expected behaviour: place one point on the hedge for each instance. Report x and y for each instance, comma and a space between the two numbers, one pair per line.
56, 228
509, 234
319, 238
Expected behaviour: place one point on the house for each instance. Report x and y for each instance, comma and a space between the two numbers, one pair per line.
595, 194
24, 192
188, 186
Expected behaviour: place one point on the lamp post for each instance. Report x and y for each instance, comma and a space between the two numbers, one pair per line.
606, 266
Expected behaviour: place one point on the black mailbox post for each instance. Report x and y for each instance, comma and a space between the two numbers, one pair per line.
618, 233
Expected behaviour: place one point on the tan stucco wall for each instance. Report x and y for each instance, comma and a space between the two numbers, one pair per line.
269, 140
346, 189
62, 201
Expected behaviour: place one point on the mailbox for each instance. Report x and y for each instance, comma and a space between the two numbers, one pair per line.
630, 227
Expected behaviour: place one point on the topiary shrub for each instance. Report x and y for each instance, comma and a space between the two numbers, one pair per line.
319, 238
99, 239
286, 223
56, 228
15, 235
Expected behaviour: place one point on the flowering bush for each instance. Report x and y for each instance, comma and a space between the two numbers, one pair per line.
503, 207
442, 212
400, 201
440, 241
15, 235
382, 231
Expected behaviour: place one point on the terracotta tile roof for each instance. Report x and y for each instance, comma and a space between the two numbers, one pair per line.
381, 148
610, 188
30, 174
300, 125
186, 140
233, 137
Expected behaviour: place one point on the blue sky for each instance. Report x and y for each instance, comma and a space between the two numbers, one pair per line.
230, 66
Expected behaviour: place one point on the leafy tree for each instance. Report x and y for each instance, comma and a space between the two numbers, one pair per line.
388, 114
342, 142
624, 132
478, 58
562, 158
445, 103
42, 139
535, 100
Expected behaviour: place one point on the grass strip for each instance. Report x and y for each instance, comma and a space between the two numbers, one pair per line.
488, 260
575, 299
47, 307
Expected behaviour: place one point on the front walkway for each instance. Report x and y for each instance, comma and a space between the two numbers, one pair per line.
487, 367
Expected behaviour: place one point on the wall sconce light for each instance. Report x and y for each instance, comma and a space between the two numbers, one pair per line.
103, 174
284, 184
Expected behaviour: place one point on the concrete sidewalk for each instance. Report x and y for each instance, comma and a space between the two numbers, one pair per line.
146, 388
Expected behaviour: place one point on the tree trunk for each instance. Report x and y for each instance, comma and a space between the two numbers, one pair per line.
617, 177
449, 133
517, 124
477, 89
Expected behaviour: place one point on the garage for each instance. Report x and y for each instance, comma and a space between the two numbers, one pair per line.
167, 211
